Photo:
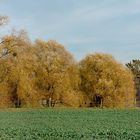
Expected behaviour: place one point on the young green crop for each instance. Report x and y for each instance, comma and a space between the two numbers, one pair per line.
70, 124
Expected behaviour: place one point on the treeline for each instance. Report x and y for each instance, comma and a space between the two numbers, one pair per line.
32, 73
44, 73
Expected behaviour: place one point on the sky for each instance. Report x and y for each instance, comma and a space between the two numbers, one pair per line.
82, 26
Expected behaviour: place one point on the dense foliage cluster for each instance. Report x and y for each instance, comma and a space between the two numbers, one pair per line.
43, 72
33, 72
107, 82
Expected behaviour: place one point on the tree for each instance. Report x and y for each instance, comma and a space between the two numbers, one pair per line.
106, 82
134, 66
38, 71
43, 70
33, 71
58, 75
12, 49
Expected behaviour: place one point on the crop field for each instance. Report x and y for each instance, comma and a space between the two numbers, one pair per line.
69, 124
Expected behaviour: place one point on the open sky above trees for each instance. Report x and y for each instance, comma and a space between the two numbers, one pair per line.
83, 26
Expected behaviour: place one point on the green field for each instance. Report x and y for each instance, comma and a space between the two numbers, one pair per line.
68, 124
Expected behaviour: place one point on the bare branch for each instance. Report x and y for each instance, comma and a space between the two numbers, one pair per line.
3, 20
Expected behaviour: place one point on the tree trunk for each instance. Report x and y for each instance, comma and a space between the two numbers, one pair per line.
50, 102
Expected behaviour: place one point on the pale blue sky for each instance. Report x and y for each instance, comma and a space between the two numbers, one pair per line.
83, 26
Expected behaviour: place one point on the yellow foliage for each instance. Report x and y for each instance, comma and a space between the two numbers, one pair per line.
102, 76
32, 72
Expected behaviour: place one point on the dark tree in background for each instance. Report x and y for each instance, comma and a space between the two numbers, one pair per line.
134, 66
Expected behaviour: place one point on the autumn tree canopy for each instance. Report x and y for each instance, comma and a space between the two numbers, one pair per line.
34, 71
37, 71
105, 79
57, 75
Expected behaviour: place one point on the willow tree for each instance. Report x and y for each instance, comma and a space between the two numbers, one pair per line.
36, 71
57, 75
106, 82
11, 50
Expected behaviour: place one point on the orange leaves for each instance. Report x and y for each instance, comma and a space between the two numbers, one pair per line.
102, 75
44, 70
